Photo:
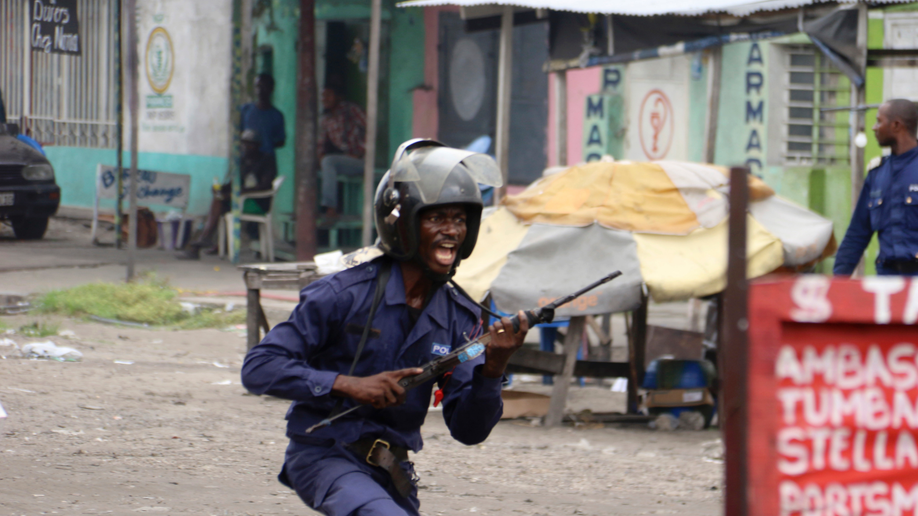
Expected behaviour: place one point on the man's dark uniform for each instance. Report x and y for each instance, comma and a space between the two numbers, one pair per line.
888, 205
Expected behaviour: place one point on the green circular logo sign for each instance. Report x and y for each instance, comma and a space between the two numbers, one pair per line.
160, 58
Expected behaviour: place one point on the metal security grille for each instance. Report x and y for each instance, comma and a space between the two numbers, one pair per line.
813, 136
61, 99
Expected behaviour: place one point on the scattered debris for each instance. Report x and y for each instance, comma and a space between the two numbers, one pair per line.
116, 321
12, 305
49, 350
224, 382
189, 308
20, 390
620, 385
124, 362
7, 347
665, 422
90, 407
66, 334
221, 366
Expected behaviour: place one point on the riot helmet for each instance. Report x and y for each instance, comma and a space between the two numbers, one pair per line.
426, 173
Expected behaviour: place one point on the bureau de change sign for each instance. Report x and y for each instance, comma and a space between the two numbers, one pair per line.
54, 26
833, 397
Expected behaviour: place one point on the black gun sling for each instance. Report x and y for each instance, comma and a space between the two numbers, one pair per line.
377, 452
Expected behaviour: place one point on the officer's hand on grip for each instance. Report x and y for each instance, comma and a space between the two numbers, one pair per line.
380, 390
504, 342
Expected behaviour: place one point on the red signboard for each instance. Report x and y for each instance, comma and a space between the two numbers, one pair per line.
833, 397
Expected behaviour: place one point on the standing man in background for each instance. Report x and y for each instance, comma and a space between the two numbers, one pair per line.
342, 140
888, 204
262, 117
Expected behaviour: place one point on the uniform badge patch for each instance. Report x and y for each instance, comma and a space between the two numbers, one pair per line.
913, 188
440, 349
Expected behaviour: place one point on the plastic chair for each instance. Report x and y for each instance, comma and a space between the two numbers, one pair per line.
265, 223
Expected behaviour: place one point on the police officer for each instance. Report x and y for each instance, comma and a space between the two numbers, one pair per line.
888, 203
428, 212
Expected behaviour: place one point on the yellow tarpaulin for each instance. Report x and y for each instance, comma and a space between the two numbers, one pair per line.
631, 196
500, 234
695, 265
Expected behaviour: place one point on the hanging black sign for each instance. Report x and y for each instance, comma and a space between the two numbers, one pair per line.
54, 26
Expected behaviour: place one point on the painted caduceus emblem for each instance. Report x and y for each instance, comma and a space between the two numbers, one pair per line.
656, 124
160, 60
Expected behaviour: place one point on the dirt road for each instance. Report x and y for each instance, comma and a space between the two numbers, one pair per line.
172, 431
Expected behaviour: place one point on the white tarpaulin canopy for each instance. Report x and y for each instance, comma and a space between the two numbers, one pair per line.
643, 7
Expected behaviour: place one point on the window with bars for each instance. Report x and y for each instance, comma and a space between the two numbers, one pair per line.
61, 99
813, 135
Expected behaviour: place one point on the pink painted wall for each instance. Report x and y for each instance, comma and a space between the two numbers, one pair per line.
425, 119
580, 84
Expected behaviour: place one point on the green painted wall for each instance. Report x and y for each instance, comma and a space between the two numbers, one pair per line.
406, 72
874, 95
75, 170
743, 113
402, 59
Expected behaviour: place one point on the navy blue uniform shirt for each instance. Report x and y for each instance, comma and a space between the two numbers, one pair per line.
268, 123
888, 204
299, 360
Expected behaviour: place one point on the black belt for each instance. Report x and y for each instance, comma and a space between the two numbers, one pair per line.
902, 267
381, 454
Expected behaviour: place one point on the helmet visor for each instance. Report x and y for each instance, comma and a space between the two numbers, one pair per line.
435, 165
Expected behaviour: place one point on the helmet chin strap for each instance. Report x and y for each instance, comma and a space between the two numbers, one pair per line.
437, 278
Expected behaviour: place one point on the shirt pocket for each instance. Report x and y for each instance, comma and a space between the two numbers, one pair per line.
911, 210
873, 208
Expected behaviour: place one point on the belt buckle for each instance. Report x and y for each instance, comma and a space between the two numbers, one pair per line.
370, 453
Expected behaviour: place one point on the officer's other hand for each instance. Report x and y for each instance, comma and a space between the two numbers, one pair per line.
504, 342
380, 390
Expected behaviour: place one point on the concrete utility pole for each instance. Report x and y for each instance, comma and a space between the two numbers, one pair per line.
130, 11
119, 127
305, 152
369, 159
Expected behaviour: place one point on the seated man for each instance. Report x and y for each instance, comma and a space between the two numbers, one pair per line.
356, 333
342, 137
257, 170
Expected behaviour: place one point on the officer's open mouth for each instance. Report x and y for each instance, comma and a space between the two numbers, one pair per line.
445, 253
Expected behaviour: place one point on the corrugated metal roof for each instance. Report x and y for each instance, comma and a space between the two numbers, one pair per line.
644, 7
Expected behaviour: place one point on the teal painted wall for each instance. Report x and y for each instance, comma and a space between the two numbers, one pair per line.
75, 170
278, 28
698, 106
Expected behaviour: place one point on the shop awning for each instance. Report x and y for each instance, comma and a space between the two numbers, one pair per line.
645, 7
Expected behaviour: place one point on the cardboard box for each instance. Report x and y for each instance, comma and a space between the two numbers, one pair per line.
678, 398
524, 404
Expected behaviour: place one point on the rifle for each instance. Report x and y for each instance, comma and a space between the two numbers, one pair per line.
475, 348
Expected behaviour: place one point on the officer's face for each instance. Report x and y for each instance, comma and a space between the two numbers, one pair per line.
883, 129
442, 232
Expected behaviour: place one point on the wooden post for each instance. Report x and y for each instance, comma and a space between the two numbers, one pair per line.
252, 308
637, 346
733, 355
710, 122
130, 11
561, 117
856, 118
369, 159
504, 77
306, 134
572, 343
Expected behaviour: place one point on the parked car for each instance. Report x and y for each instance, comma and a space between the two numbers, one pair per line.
29, 195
